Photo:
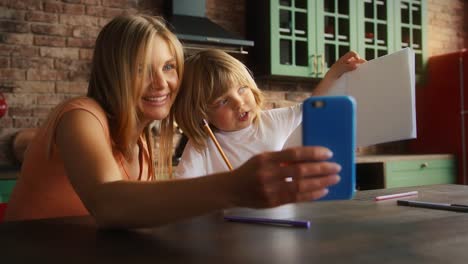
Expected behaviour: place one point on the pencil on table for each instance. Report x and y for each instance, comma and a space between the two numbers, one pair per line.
212, 136
396, 195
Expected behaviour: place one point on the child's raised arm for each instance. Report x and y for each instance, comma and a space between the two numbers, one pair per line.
347, 62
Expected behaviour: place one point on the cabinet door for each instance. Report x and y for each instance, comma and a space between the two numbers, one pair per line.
419, 172
375, 28
290, 37
335, 30
410, 28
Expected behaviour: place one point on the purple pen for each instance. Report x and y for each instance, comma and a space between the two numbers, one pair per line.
259, 220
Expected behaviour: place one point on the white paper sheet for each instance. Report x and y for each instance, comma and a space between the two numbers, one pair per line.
385, 97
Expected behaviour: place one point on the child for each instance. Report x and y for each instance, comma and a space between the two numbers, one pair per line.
219, 88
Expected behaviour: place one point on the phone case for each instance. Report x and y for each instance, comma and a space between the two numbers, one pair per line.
330, 121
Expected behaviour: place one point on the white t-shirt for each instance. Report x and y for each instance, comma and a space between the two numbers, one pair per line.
270, 134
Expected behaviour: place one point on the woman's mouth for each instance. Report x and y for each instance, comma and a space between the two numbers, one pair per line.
156, 100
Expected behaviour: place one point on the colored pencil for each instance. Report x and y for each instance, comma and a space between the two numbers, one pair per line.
207, 128
396, 195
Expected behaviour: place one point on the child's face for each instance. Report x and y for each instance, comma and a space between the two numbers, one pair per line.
161, 83
234, 110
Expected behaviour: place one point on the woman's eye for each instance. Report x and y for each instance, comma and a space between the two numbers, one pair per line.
168, 67
223, 102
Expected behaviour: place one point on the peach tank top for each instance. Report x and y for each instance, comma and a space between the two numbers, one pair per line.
43, 189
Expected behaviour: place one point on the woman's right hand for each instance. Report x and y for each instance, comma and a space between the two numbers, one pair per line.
262, 182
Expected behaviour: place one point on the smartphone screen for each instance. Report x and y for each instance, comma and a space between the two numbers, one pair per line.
330, 121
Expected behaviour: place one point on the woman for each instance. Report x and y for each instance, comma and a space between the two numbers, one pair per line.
94, 154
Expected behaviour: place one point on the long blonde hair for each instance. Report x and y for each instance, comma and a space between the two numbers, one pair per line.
116, 84
207, 76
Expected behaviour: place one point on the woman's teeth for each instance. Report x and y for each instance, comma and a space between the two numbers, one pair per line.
156, 98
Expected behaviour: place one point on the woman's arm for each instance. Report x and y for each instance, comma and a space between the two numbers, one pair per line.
116, 202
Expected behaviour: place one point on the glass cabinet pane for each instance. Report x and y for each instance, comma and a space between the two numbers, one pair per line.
343, 7
381, 53
368, 9
370, 54
418, 62
300, 25
330, 55
343, 29
382, 34
404, 10
329, 27
329, 5
405, 37
343, 50
381, 10
285, 22
301, 3
285, 52
416, 43
369, 33
416, 15
301, 53
285, 2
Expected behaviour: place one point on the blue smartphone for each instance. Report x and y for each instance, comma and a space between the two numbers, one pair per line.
330, 121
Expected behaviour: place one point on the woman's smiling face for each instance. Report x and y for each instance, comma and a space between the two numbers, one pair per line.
161, 83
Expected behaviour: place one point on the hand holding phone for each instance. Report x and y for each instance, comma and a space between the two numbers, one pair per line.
330, 121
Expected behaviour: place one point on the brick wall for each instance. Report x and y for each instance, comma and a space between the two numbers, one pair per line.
46, 47
448, 26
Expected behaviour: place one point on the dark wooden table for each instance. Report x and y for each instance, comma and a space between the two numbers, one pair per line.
357, 231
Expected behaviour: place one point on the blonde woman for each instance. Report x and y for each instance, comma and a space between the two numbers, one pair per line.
94, 154
218, 88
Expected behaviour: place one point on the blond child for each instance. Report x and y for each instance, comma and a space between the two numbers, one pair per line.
219, 88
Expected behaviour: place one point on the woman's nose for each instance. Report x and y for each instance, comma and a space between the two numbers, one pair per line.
158, 81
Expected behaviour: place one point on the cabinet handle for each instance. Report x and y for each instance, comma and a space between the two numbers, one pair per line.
314, 59
322, 64
424, 165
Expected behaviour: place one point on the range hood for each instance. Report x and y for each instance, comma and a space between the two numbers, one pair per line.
196, 31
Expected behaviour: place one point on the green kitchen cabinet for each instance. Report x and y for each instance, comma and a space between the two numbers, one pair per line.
6, 187
391, 171
303, 38
419, 172
300, 38
283, 34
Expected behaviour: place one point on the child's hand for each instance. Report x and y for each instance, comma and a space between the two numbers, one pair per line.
347, 62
